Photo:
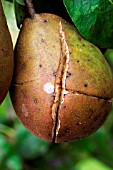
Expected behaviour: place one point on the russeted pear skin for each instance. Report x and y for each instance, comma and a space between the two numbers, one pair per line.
62, 85
6, 56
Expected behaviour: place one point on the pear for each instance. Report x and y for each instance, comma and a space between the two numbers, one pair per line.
62, 85
6, 56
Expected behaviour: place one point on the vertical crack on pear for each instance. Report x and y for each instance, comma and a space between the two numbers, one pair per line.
60, 82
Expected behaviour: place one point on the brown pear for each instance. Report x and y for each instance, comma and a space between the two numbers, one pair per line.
62, 85
6, 56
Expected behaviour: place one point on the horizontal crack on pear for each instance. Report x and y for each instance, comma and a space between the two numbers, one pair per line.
22, 83
82, 93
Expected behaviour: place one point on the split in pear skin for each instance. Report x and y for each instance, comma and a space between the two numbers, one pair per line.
62, 85
6, 56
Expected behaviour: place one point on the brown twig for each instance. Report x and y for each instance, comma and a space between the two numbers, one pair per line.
30, 8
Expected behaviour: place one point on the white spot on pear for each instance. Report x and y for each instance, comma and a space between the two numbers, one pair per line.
48, 88
24, 110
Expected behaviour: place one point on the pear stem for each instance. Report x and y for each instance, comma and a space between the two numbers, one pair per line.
30, 8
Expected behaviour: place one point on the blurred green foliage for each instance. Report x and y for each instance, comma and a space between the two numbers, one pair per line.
20, 150
109, 57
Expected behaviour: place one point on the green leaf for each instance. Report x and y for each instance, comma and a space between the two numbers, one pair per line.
9, 1
20, 11
111, 1
94, 20
21, 2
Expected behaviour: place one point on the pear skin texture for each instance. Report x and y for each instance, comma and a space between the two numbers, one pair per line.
62, 85
6, 56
